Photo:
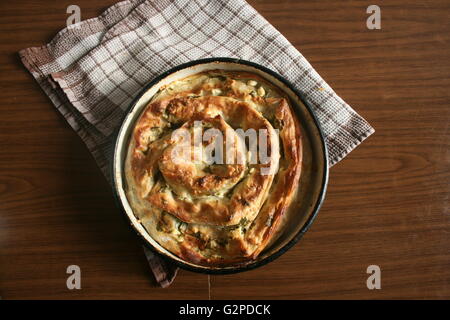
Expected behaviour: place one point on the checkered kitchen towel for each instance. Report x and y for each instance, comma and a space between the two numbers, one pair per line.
92, 70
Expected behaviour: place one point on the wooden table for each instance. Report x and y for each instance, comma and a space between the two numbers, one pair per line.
387, 202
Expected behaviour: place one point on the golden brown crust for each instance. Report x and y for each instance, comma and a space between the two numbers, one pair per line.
214, 214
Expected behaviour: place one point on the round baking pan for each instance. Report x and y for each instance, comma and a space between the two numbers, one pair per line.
313, 181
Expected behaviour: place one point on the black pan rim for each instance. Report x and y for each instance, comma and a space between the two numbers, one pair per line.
301, 232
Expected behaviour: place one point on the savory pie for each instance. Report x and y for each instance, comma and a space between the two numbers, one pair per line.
220, 199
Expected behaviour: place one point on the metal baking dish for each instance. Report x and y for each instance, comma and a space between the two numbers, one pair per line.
314, 175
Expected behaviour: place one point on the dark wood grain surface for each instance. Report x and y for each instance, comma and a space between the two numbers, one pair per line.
387, 204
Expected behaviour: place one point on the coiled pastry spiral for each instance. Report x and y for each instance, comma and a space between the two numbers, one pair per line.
214, 212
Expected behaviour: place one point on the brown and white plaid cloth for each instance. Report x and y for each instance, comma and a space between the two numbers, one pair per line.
92, 70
